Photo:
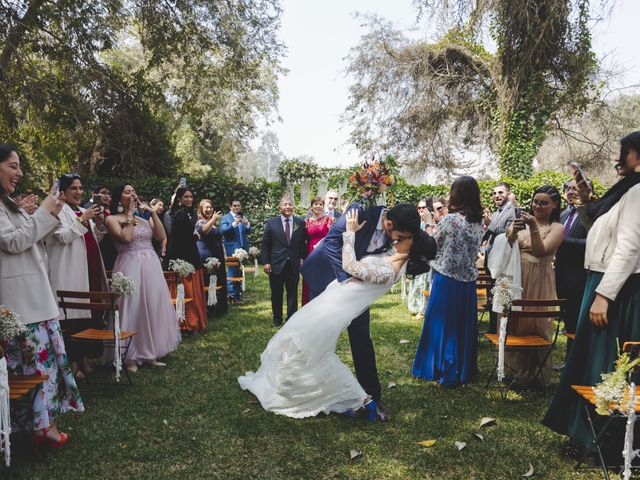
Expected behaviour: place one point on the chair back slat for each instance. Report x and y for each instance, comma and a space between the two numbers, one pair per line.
551, 302
111, 296
514, 315
94, 307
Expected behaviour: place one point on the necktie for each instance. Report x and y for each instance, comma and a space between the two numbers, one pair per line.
569, 221
287, 230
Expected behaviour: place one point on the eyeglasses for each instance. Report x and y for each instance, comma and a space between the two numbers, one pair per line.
422, 208
332, 198
438, 209
540, 203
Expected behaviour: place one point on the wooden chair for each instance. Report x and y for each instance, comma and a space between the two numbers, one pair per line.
528, 343
97, 302
234, 262
588, 397
484, 284
22, 392
173, 280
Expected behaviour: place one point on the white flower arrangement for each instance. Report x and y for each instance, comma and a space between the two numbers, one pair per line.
241, 254
504, 293
212, 264
122, 285
181, 267
254, 252
610, 392
10, 326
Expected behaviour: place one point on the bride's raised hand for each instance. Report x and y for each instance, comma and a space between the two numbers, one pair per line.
352, 221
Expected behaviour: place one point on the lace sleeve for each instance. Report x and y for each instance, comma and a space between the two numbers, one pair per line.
373, 269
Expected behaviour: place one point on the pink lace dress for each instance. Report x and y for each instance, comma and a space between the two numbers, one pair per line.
149, 310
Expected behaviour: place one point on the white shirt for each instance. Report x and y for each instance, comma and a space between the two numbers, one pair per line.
379, 238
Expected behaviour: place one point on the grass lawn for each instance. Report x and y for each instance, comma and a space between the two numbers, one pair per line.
191, 419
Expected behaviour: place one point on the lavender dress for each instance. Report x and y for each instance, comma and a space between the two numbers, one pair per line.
149, 310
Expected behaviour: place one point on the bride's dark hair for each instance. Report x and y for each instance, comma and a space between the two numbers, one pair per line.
422, 251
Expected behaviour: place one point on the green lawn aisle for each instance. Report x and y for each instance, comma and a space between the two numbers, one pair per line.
191, 420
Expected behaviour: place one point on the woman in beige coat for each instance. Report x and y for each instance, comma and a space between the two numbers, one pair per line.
24, 289
75, 264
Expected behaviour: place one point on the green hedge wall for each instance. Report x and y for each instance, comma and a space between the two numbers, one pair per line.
260, 198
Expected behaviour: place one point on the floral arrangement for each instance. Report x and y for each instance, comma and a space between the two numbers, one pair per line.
503, 293
10, 326
254, 252
181, 267
610, 392
122, 285
373, 178
240, 254
212, 264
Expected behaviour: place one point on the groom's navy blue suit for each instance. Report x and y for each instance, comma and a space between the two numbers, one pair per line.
324, 265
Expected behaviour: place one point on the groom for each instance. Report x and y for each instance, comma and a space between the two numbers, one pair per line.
383, 226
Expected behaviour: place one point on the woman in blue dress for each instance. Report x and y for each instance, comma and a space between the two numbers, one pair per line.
447, 351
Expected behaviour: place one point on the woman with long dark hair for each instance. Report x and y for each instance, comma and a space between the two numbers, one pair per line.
610, 312
447, 351
182, 245
25, 290
539, 235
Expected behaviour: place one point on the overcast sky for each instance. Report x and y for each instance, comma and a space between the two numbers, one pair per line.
318, 36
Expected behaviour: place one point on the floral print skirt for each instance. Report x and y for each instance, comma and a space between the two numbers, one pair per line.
42, 352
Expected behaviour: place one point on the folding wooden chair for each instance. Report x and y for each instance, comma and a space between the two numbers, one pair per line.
97, 302
484, 284
22, 393
554, 310
234, 262
588, 397
173, 280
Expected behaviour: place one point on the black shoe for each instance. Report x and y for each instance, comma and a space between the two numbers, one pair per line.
276, 323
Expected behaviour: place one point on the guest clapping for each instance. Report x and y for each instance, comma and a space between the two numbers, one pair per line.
25, 289
75, 263
182, 245
210, 245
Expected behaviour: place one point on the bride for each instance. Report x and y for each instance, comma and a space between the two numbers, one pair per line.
300, 374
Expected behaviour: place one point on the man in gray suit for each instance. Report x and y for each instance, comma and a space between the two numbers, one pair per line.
501, 219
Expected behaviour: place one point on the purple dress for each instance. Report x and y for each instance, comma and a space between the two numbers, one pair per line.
149, 310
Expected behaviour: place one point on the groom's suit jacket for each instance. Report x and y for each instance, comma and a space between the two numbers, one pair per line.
324, 264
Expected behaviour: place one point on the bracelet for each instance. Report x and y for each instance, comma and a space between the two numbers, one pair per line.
533, 231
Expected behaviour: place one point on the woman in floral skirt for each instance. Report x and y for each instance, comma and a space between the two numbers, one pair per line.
25, 289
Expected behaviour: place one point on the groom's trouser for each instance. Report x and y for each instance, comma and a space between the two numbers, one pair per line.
364, 356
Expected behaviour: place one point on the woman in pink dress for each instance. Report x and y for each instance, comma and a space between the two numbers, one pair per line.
317, 225
149, 310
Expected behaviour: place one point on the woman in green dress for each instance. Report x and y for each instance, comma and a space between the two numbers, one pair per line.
610, 311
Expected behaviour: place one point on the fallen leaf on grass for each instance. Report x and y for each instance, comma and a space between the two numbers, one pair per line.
165, 422
427, 443
246, 411
461, 445
479, 437
529, 472
487, 421
392, 385
353, 454
403, 341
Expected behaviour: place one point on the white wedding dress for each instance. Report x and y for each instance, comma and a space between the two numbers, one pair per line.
300, 374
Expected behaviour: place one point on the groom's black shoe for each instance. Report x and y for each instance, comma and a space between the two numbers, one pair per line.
276, 323
381, 413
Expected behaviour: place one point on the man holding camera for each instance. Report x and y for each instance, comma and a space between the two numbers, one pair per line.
235, 229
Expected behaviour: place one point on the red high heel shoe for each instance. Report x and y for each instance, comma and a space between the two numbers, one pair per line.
40, 437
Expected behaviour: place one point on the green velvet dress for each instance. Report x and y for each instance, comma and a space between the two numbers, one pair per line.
593, 353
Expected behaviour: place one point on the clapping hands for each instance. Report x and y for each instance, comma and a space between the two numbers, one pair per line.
352, 221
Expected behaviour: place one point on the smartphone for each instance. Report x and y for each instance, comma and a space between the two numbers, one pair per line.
577, 172
97, 199
183, 181
239, 214
518, 212
57, 185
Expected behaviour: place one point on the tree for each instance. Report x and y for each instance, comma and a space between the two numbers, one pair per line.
110, 86
425, 102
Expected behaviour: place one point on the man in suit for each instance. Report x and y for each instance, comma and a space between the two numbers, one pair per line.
500, 221
330, 201
324, 265
284, 245
570, 272
235, 229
